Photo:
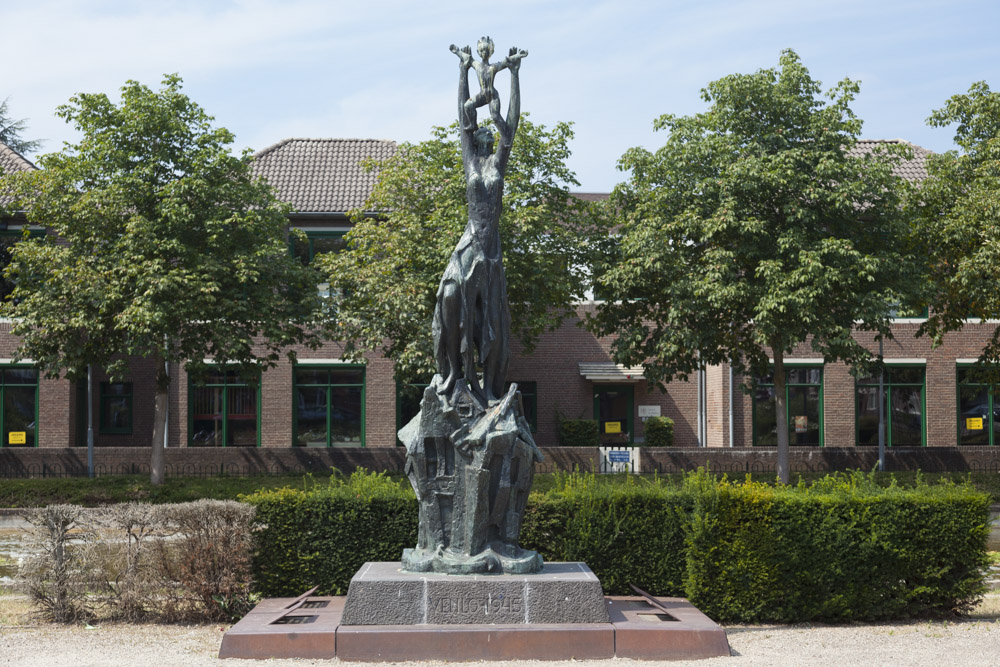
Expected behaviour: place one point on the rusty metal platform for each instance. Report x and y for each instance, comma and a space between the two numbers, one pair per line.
310, 627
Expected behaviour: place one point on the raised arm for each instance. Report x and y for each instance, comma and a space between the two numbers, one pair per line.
509, 127
466, 112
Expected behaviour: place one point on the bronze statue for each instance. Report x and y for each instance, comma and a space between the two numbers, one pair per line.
471, 315
469, 453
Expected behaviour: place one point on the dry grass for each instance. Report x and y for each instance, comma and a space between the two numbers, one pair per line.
15, 609
988, 609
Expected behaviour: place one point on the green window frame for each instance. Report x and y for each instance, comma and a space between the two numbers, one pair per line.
18, 406
529, 397
803, 387
905, 401
223, 409
116, 408
976, 400
317, 243
328, 405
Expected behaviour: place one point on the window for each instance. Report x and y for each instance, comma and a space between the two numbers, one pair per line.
905, 425
804, 401
317, 243
529, 397
408, 397
978, 419
116, 407
224, 412
18, 406
329, 406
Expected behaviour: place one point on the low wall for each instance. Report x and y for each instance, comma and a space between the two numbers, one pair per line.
191, 462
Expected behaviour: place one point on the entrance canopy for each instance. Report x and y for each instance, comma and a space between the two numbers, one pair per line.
605, 371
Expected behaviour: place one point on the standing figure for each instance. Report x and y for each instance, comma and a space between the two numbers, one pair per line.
471, 319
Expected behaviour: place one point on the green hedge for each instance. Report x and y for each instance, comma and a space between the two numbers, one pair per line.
659, 432
627, 534
579, 433
842, 549
323, 535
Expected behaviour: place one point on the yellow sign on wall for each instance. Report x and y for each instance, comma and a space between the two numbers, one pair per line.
973, 423
612, 427
17, 438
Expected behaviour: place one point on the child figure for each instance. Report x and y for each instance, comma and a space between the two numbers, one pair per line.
486, 73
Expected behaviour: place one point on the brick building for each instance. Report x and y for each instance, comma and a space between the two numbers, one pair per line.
323, 402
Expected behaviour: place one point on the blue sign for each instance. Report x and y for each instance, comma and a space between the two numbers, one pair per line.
618, 456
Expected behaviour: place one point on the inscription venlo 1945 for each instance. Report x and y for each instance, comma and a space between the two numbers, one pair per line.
513, 604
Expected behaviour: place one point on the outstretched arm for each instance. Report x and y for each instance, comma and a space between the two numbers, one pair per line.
466, 113
509, 127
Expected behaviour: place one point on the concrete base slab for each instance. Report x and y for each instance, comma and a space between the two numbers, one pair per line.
381, 593
277, 628
393, 643
646, 633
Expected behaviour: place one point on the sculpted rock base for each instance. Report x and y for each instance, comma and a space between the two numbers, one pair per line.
471, 466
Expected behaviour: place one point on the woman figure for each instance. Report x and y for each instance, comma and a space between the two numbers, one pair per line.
471, 319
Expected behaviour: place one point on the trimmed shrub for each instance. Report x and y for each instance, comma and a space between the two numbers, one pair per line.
579, 433
659, 432
323, 535
843, 549
210, 557
57, 576
627, 534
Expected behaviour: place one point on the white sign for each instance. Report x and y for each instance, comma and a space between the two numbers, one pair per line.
647, 411
619, 459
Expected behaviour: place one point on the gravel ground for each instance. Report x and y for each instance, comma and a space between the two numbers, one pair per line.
974, 641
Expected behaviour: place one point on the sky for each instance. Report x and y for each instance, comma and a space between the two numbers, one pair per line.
271, 70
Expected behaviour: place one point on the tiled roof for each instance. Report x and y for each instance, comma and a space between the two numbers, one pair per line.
911, 170
322, 175
11, 161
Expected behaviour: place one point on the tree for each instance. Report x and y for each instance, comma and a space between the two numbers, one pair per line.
385, 283
10, 131
168, 249
956, 220
751, 231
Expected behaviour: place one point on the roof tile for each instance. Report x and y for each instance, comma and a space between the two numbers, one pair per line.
322, 175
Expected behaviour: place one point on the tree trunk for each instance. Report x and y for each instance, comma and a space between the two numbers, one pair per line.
156, 464
781, 414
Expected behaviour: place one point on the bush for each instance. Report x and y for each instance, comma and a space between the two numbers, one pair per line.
136, 561
842, 549
579, 433
627, 534
323, 535
210, 557
659, 432
57, 576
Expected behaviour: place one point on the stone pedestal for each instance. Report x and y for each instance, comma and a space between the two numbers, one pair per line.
383, 594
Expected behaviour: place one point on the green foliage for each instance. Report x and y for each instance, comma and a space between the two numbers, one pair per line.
956, 219
629, 533
752, 230
323, 535
10, 132
659, 432
579, 433
387, 279
169, 248
843, 549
